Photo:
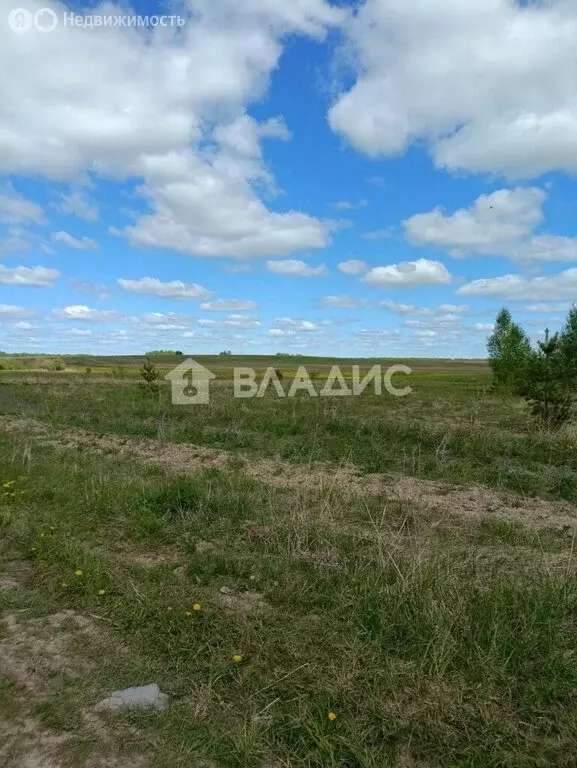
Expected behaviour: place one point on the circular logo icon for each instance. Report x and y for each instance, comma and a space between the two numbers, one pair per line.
45, 20
20, 20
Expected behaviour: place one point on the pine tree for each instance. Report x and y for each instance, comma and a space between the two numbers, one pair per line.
544, 386
150, 376
568, 349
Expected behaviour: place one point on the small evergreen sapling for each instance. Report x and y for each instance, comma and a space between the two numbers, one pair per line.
545, 387
150, 375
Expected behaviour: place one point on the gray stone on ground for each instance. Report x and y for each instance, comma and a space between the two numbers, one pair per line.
143, 698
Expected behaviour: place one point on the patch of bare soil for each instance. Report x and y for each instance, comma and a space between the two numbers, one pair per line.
145, 559
36, 655
519, 561
26, 744
241, 602
15, 573
32, 651
342, 480
481, 503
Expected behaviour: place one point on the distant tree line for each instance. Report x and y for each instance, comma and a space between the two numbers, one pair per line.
164, 353
545, 375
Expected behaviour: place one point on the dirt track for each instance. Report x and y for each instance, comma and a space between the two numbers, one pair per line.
344, 480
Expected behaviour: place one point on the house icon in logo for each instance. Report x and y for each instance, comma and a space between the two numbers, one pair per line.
190, 383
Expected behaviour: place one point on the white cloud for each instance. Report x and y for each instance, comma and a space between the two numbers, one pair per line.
82, 312
241, 137
83, 243
76, 203
229, 305
17, 240
237, 268
490, 225
42, 276
297, 325
379, 333
544, 248
85, 286
347, 205
547, 308
501, 223
409, 273
216, 213
77, 332
378, 234
274, 128
292, 328
377, 181
436, 321
295, 268
519, 287
232, 321
175, 289
165, 320
491, 86
343, 302
411, 309
15, 209
181, 125
484, 327
12, 312
353, 267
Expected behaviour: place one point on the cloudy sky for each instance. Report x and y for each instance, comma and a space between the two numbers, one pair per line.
344, 178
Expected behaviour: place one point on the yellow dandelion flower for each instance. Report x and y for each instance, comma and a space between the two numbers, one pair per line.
79, 572
197, 607
237, 658
101, 592
332, 716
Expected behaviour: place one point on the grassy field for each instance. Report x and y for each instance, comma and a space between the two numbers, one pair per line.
330, 582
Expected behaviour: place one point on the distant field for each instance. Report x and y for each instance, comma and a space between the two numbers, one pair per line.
356, 582
130, 364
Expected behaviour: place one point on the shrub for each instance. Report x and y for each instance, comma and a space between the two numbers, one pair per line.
57, 365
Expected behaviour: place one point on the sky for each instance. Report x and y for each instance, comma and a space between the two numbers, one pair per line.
347, 179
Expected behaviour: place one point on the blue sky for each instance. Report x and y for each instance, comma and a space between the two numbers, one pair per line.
347, 179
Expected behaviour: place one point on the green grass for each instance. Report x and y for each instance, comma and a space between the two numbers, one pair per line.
423, 653
437, 638
451, 428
